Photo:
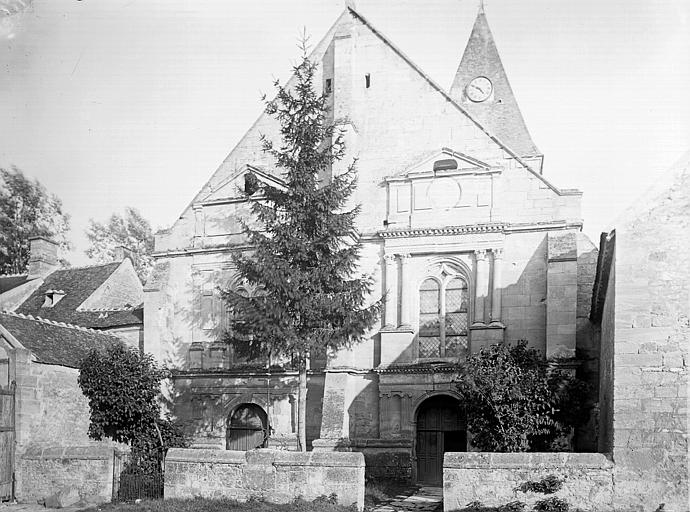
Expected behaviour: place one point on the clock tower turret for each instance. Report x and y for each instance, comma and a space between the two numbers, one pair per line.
481, 87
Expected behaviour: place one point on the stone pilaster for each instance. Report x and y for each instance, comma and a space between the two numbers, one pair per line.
406, 295
482, 286
497, 287
391, 280
561, 295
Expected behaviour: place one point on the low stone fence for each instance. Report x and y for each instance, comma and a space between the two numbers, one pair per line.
494, 479
86, 471
274, 475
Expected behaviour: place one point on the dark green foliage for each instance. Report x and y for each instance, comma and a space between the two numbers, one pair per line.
122, 388
552, 504
27, 210
547, 485
221, 505
477, 506
516, 401
305, 254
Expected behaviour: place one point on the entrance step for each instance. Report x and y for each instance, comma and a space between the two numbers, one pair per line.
425, 499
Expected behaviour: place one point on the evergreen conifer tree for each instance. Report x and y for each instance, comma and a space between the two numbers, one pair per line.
303, 261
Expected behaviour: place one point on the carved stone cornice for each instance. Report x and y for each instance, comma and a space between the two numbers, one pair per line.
445, 231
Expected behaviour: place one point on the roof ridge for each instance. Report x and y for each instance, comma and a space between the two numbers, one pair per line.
124, 308
80, 267
53, 322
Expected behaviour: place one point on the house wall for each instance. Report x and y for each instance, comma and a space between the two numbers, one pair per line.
50, 407
650, 348
122, 287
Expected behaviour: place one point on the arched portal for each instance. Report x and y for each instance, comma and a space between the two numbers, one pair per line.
247, 428
441, 427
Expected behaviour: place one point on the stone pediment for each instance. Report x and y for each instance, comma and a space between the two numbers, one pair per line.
237, 184
444, 162
445, 188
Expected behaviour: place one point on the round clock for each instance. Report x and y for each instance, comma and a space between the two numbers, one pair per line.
479, 89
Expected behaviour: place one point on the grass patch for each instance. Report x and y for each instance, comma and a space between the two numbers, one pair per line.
323, 504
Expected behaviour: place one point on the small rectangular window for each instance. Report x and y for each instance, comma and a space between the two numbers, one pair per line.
329, 85
367, 80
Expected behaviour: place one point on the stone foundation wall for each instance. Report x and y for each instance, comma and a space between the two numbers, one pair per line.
88, 470
274, 475
493, 479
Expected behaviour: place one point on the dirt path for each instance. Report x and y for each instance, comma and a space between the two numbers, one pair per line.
426, 499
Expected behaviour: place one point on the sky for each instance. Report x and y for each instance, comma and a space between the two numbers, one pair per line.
115, 103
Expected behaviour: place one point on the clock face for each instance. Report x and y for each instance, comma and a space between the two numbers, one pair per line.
479, 89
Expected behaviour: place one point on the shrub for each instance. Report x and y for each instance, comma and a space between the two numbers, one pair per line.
547, 485
516, 401
552, 504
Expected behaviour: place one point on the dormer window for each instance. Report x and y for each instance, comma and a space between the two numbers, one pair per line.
52, 297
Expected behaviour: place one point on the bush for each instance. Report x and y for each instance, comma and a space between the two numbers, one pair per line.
547, 485
551, 505
516, 401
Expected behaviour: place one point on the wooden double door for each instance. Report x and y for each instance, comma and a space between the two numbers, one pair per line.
247, 428
441, 428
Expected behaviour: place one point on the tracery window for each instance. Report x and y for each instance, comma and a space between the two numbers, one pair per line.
443, 305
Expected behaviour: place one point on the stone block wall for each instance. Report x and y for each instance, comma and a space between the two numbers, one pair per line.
650, 349
277, 476
88, 470
50, 407
494, 478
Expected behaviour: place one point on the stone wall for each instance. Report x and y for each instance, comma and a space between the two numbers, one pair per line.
51, 409
274, 475
650, 348
88, 470
493, 479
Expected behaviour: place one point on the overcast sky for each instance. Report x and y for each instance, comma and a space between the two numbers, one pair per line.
114, 103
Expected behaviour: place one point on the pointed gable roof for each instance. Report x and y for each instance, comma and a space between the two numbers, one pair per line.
78, 284
499, 114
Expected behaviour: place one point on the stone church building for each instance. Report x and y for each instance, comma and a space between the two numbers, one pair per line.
462, 230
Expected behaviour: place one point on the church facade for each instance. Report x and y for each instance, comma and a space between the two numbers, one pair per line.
466, 237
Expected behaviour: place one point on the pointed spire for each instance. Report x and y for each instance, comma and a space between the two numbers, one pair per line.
481, 86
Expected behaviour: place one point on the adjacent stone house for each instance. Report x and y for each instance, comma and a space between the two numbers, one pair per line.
107, 297
461, 228
641, 311
44, 411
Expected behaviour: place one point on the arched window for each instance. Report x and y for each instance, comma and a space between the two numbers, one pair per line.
443, 317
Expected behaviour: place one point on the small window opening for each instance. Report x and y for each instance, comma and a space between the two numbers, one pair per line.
329, 85
52, 297
367, 80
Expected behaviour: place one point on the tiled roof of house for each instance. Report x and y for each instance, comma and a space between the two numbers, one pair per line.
11, 281
78, 284
52, 342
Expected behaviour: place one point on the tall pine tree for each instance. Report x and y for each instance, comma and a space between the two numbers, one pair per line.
305, 252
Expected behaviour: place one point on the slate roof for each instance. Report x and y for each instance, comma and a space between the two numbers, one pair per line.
54, 343
78, 284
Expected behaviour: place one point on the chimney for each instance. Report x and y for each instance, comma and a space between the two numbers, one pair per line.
43, 257
122, 252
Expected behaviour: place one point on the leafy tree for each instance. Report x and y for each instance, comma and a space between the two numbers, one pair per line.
132, 231
516, 401
122, 388
304, 257
26, 210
